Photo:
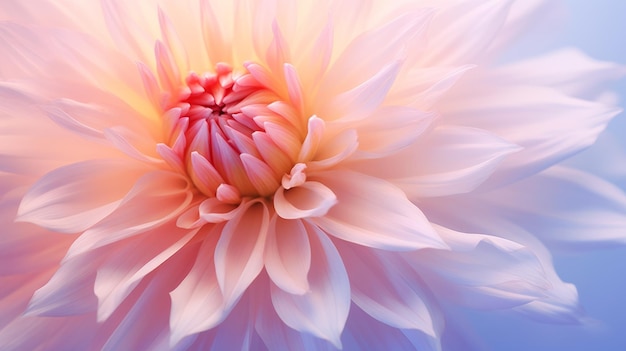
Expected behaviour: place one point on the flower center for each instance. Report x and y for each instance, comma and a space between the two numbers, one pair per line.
227, 138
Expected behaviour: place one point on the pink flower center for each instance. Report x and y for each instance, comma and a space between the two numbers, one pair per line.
227, 138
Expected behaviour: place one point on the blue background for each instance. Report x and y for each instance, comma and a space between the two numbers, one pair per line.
599, 28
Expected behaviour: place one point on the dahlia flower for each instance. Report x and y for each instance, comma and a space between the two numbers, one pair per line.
269, 174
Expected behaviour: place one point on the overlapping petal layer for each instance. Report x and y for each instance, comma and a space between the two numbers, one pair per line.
278, 174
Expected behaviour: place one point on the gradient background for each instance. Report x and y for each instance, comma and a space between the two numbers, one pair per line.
599, 28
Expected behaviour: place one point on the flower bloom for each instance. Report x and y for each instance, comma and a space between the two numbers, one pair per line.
271, 174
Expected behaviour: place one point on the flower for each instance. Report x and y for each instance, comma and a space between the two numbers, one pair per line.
288, 175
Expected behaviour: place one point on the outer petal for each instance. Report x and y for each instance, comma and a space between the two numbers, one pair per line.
565, 208
288, 255
365, 333
462, 33
374, 213
558, 301
448, 160
547, 124
75, 197
275, 334
156, 199
199, 288
391, 129
127, 266
323, 310
496, 273
385, 291
239, 251
568, 70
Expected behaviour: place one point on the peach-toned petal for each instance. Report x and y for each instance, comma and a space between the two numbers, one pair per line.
288, 255
156, 198
73, 198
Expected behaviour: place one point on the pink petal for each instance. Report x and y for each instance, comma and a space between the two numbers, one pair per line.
199, 288
323, 310
386, 291
156, 198
311, 199
276, 335
374, 213
288, 255
75, 197
126, 267
239, 252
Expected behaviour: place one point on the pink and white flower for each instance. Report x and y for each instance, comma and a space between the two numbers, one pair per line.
269, 174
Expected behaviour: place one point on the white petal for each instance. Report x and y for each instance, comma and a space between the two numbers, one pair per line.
565, 208
385, 290
457, 160
288, 255
462, 33
569, 70
547, 124
556, 302
311, 199
361, 101
373, 212
496, 272
75, 197
323, 310
239, 252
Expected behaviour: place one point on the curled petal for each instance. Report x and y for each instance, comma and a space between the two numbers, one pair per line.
311, 199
